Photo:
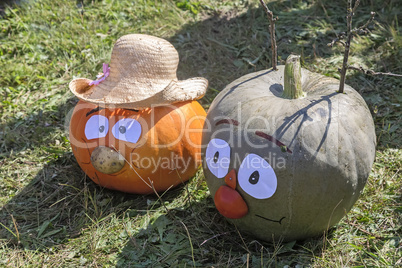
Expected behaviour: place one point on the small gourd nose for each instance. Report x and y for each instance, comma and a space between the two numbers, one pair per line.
231, 180
107, 160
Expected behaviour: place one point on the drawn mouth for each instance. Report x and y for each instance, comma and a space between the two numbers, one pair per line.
277, 221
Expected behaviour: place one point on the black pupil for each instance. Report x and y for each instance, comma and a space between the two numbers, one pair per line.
254, 177
122, 129
216, 157
101, 129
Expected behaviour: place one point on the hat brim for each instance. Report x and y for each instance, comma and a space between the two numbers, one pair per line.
175, 91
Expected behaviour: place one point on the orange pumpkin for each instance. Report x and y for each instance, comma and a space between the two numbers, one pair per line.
138, 151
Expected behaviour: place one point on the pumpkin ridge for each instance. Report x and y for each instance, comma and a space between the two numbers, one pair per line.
290, 200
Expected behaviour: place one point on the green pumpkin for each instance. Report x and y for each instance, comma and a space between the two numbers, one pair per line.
287, 163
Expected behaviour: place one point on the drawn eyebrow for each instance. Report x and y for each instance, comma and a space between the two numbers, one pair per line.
227, 121
94, 110
258, 133
272, 139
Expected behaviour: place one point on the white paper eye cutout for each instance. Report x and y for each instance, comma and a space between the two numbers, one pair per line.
127, 129
96, 127
256, 177
217, 157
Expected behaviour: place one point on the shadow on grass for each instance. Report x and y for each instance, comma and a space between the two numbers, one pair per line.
60, 203
199, 236
57, 204
6, 3
35, 130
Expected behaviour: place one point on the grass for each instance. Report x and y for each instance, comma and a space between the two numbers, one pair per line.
52, 215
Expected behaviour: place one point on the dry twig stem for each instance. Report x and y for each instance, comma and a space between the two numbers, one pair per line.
361, 30
272, 33
336, 40
349, 35
371, 72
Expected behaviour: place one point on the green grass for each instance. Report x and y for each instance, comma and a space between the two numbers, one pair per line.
52, 215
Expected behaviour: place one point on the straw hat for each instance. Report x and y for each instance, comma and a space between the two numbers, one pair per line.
142, 74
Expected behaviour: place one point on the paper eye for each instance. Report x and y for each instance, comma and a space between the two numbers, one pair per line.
256, 177
217, 157
96, 127
127, 129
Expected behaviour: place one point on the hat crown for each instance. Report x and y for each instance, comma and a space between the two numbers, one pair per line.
144, 58
142, 74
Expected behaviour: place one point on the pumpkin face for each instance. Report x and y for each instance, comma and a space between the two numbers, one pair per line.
287, 168
138, 151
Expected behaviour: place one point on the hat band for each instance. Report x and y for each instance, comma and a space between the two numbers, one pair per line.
102, 76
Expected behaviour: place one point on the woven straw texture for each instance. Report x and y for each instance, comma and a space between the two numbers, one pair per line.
142, 74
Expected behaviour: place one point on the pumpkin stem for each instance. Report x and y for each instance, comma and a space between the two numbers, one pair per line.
293, 85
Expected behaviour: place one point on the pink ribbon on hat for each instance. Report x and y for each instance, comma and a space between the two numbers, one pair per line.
102, 76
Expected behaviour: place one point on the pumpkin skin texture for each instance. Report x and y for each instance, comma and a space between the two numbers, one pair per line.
299, 164
138, 152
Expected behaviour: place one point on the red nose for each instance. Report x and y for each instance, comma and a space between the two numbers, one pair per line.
228, 201
231, 179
